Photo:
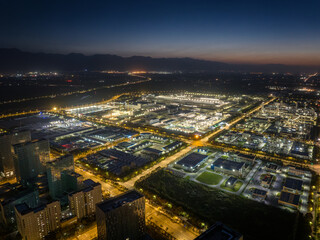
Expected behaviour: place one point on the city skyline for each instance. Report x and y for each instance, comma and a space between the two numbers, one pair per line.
160, 120
266, 32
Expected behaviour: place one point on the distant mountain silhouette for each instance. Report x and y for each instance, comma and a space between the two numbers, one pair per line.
13, 60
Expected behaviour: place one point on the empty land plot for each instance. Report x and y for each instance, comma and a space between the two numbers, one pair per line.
209, 178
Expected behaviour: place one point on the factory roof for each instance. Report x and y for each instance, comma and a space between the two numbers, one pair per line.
192, 160
293, 183
290, 198
219, 231
228, 164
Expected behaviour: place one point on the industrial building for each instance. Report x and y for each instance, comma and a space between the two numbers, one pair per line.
231, 181
266, 180
296, 171
220, 231
272, 167
228, 166
289, 199
292, 185
192, 161
259, 193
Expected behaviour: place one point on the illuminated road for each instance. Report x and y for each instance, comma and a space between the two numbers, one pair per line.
76, 92
130, 183
155, 213
310, 76
316, 168
245, 115
62, 94
106, 186
152, 214
89, 233
165, 222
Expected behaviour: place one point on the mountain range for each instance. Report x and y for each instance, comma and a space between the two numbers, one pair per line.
14, 60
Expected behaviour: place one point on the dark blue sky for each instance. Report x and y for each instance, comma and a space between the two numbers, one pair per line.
273, 31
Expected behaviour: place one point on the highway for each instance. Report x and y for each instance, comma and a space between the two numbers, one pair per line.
310, 76
76, 92
62, 94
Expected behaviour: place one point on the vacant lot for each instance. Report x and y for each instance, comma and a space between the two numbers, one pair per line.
209, 178
254, 220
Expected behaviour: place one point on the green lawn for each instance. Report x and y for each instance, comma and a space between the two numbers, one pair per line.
235, 187
209, 178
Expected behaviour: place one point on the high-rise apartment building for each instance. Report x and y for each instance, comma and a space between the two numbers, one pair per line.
36, 223
60, 173
30, 159
6, 151
122, 217
83, 203
14, 194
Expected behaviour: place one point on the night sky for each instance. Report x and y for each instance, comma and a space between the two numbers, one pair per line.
272, 31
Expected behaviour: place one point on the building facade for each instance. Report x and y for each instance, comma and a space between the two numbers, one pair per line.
122, 217
57, 172
16, 195
36, 223
6, 151
83, 203
30, 159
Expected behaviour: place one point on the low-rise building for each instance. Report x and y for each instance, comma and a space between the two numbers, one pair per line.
172, 146
292, 185
152, 151
259, 193
270, 167
296, 171
231, 181
69, 221
246, 157
220, 231
289, 199
266, 180
192, 161
228, 166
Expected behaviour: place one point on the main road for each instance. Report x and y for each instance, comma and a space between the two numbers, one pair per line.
153, 213
130, 183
